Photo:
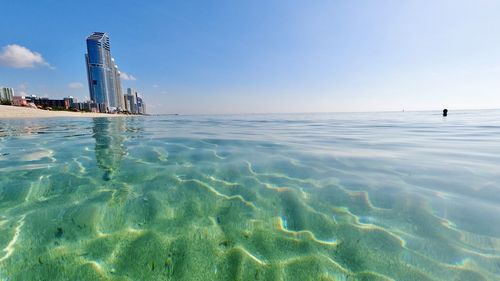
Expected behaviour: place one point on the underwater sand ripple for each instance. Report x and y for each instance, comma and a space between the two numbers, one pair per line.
174, 198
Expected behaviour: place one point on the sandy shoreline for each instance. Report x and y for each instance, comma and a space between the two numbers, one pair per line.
16, 112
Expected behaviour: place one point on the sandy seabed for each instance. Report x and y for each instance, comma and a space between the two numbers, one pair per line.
12, 112
313, 197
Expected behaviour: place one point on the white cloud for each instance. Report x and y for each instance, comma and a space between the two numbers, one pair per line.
75, 85
126, 76
21, 57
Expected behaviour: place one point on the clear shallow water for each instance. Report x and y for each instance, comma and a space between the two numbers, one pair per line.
379, 196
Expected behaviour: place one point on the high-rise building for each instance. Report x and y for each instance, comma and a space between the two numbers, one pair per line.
130, 100
103, 75
141, 106
118, 90
6, 94
134, 102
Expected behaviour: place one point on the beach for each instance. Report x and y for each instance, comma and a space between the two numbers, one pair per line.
14, 112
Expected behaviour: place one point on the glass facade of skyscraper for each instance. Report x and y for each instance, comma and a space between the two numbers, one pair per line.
103, 75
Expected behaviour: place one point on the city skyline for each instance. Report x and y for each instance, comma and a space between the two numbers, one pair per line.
266, 56
103, 79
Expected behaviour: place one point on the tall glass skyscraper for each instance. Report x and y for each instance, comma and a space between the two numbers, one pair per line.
103, 75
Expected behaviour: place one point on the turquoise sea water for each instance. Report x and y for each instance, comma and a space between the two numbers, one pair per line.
365, 196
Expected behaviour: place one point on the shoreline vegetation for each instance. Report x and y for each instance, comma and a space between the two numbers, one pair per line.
15, 112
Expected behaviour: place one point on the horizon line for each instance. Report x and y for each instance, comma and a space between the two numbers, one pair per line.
324, 112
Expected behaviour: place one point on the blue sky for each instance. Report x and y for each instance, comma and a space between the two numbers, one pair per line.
264, 56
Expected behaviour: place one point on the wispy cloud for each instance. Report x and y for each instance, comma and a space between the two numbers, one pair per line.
75, 85
21, 57
22, 86
22, 89
126, 76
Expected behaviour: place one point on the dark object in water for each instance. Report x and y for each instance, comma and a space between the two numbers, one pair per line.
107, 175
445, 112
59, 232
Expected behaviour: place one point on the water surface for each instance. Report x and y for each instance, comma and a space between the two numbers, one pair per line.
365, 196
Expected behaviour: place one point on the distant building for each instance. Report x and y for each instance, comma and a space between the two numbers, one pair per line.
51, 103
130, 99
144, 108
118, 88
83, 106
6, 95
19, 101
103, 75
133, 102
141, 106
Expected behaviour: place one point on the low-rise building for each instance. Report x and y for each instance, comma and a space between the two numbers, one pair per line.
50, 103
84, 106
19, 101
69, 102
